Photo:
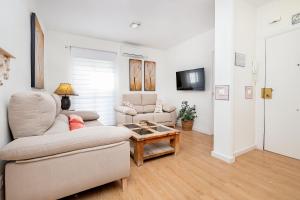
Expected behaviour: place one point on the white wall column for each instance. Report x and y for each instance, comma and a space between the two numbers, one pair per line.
224, 58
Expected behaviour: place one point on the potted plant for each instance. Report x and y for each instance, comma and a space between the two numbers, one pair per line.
187, 114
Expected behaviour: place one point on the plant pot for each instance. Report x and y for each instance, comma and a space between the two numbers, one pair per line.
187, 125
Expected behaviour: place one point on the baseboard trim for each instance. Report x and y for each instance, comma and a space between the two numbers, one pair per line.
244, 150
227, 159
200, 131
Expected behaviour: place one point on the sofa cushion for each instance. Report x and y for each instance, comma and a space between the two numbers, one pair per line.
149, 99
149, 108
47, 145
139, 109
93, 123
162, 117
140, 117
86, 115
31, 113
57, 102
60, 125
168, 108
135, 99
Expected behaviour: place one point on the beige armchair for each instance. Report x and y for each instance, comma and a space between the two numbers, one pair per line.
143, 109
47, 161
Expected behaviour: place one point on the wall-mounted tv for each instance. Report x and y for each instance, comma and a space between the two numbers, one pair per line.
193, 79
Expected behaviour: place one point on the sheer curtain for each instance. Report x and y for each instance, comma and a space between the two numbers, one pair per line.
94, 78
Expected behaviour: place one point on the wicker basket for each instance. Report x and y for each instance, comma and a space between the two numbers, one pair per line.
187, 125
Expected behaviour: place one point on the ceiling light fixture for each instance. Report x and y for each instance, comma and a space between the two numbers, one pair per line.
135, 25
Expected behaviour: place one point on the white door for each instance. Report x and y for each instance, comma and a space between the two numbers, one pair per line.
282, 112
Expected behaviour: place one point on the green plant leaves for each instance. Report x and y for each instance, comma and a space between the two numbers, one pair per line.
187, 112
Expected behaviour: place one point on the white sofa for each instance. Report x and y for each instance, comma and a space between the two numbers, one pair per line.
144, 106
47, 161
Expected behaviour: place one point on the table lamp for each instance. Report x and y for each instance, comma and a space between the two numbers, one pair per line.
65, 89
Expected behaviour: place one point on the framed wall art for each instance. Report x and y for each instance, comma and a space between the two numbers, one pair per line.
149, 76
37, 53
222, 92
135, 75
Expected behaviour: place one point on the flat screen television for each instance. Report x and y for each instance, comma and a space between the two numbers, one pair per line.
193, 79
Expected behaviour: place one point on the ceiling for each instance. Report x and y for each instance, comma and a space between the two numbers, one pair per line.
164, 22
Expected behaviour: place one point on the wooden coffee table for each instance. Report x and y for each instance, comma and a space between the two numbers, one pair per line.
151, 140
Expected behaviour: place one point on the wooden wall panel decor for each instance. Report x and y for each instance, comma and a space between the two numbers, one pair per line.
149, 76
135, 75
37, 53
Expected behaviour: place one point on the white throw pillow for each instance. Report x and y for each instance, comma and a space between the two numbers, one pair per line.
158, 107
128, 104
126, 110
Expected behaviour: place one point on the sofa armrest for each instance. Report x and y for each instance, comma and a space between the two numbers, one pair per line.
48, 145
126, 110
86, 115
168, 108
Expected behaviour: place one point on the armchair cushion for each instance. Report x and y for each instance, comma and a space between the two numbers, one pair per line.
126, 110
47, 145
168, 108
86, 115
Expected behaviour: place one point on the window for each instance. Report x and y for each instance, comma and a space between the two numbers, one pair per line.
93, 78
193, 77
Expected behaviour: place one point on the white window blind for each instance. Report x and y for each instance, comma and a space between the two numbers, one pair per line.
93, 78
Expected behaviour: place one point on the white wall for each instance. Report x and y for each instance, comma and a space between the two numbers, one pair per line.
266, 14
193, 53
245, 32
15, 38
157, 55
58, 68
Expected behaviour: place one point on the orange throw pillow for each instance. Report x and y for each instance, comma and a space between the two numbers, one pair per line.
75, 122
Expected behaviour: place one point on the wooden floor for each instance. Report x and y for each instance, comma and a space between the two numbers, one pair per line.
194, 174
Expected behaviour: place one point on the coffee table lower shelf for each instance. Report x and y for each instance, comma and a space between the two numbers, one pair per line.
153, 150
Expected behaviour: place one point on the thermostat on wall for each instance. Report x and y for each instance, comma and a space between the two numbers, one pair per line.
240, 59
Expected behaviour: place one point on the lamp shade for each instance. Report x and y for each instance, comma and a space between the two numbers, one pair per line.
65, 89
